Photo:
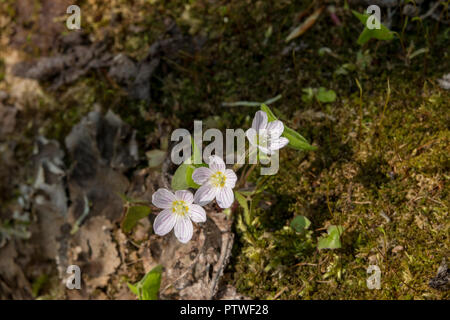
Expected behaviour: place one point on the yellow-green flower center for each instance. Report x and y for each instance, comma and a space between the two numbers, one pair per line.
180, 207
218, 179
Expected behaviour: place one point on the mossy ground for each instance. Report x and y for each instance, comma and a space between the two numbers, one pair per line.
381, 169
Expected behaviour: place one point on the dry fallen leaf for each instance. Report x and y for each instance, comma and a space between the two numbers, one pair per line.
193, 270
308, 23
98, 257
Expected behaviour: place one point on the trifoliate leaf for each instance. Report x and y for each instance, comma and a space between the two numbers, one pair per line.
332, 240
133, 215
300, 223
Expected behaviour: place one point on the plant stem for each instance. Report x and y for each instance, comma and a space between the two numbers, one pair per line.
244, 177
239, 165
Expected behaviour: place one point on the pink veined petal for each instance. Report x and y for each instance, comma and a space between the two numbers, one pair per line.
183, 229
201, 175
259, 121
184, 195
164, 222
264, 150
275, 128
263, 138
271, 152
279, 143
163, 198
197, 213
225, 198
231, 178
205, 194
251, 136
216, 164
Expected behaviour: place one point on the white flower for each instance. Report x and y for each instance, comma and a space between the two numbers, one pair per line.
266, 135
178, 212
216, 182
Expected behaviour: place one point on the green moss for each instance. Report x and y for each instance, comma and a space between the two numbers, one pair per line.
396, 168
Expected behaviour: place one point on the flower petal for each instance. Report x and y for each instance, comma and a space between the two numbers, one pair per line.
231, 178
279, 143
259, 121
205, 194
201, 175
275, 128
251, 136
216, 164
183, 229
264, 150
225, 198
197, 213
163, 198
184, 195
164, 222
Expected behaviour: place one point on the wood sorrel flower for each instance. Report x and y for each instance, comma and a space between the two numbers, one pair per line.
266, 135
216, 182
177, 214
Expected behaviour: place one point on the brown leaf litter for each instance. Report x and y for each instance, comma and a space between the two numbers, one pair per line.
77, 213
77, 56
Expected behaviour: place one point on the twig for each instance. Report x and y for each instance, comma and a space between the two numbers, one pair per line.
431, 11
183, 274
280, 293
251, 103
